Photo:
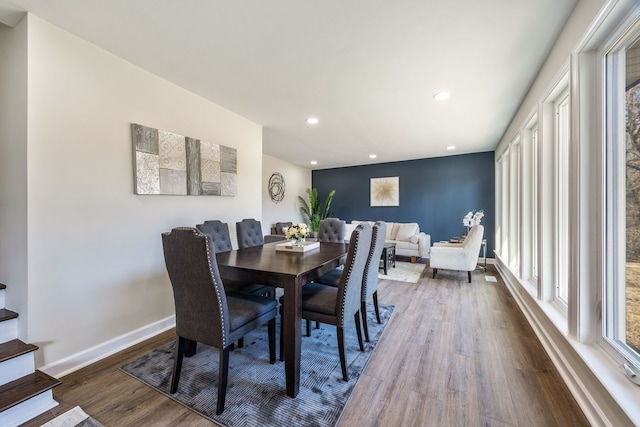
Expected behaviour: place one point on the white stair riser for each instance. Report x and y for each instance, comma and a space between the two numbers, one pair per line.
27, 410
2, 291
8, 330
16, 367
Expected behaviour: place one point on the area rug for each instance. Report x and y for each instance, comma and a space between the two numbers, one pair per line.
404, 272
75, 417
256, 390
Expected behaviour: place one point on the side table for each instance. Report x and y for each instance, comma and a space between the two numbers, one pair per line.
388, 258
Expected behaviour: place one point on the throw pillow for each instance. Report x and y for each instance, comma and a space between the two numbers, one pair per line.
406, 231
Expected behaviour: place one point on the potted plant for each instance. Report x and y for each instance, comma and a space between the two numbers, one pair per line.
314, 211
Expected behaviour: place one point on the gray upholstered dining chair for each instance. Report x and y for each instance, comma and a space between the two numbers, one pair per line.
370, 276
331, 230
205, 313
336, 305
249, 233
219, 232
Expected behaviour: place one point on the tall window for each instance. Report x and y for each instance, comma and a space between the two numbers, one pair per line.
622, 296
514, 205
534, 203
561, 108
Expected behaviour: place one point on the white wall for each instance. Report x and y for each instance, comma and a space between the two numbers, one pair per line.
297, 179
13, 167
577, 25
95, 264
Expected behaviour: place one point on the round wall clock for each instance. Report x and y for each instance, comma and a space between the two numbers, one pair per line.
276, 187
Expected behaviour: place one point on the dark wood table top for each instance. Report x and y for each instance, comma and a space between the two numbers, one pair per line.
267, 259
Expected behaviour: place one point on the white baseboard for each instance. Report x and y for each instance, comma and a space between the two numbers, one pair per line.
91, 355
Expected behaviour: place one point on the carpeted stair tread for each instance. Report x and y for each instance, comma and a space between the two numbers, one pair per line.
15, 348
15, 392
7, 314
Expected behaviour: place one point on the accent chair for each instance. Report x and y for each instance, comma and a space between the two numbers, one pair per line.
458, 256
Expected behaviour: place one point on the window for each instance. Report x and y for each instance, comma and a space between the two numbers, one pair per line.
561, 140
514, 206
534, 202
529, 210
622, 295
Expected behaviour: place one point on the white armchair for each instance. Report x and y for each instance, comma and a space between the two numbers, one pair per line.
458, 256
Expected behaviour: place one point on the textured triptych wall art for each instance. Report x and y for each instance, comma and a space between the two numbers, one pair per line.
168, 163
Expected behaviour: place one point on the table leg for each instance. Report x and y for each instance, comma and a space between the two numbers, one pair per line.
292, 321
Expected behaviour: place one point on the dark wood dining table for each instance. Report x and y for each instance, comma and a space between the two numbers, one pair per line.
288, 270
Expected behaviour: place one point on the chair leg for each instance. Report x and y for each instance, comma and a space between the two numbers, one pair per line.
343, 357
223, 372
435, 270
177, 364
376, 306
317, 325
241, 342
271, 328
359, 329
469, 273
308, 327
363, 309
190, 347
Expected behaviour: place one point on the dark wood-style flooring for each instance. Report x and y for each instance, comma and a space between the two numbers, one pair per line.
454, 354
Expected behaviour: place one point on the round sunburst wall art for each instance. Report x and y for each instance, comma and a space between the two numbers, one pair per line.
276, 187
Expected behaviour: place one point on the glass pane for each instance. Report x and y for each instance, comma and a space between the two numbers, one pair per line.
632, 292
562, 199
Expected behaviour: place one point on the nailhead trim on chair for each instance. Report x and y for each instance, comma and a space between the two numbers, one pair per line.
213, 277
348, 276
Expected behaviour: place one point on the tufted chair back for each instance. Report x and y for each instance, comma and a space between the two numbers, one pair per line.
249, 233
331, 230
370, 278
219, 232
350, 288
200, 300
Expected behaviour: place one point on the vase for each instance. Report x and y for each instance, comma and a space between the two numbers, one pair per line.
297, 241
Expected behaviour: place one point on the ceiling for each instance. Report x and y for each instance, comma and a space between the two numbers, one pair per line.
367, 69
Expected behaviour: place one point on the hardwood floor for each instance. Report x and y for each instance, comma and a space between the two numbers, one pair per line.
454, 354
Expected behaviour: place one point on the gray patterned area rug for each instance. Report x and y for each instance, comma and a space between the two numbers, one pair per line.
256, 390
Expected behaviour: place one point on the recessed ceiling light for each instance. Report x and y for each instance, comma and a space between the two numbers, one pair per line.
312, 120
372, 156
441, 95
314, 162
451, 147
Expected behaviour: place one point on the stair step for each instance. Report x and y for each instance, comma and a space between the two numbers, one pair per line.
14, 348
7, 314
22, 389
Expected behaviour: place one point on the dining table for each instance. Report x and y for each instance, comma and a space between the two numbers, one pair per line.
288, 270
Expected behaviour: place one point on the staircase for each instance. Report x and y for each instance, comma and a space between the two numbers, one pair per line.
24, 391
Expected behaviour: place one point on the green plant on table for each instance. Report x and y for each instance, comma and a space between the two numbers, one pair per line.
313, 210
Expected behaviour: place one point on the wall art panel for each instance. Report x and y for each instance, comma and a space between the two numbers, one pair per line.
169, 163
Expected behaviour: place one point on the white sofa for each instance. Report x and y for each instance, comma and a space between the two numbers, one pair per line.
409, 240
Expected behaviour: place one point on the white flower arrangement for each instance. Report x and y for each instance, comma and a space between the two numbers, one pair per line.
297, 231
473, 218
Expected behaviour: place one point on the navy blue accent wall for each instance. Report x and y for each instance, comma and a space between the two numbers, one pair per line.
436, 193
